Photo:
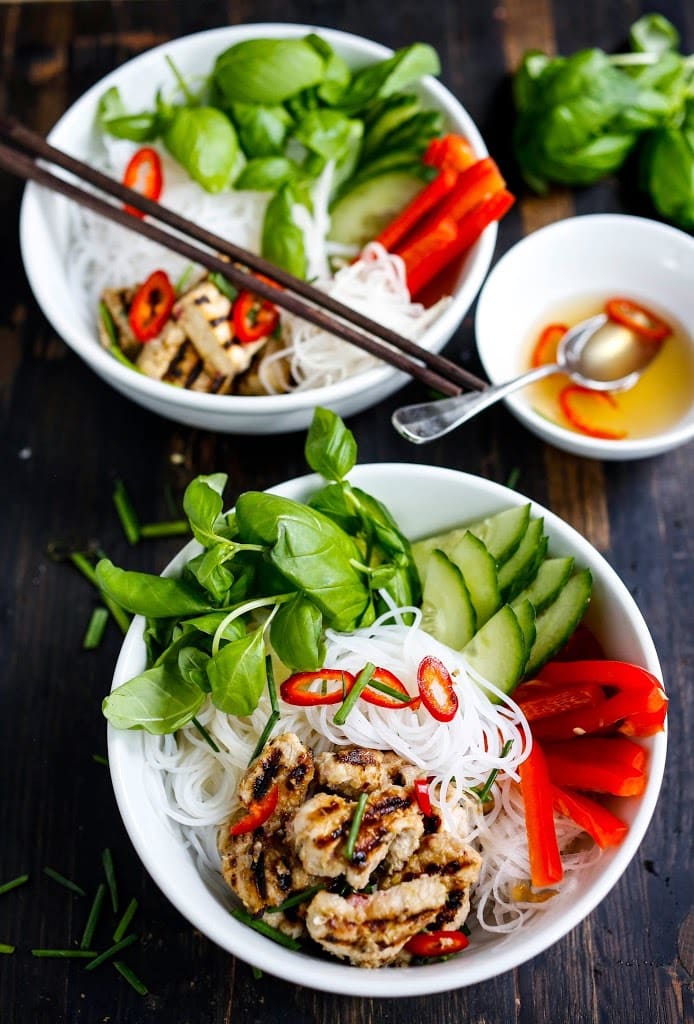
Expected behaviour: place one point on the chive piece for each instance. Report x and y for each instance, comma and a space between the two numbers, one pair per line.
513, 478
110, 328
356, 825
363, 680
171, 528
93, 918
224, 286
126, 512
274, 714
100, 759
296, 900
107, 861
131, 977
95, 629
83, 564
111, 952
6, 948
257, 973
64, 954
14, 884
482, 792
125, 920
266, 929
390, 691
205, 734
62, 880
120, 355
184, 279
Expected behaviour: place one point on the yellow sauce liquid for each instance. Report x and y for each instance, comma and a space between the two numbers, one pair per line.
663, 395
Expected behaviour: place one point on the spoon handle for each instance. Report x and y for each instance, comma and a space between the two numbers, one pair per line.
428, 421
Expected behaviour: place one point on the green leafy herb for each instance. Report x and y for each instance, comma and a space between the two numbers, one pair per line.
262, 130
390, 76
110, 875
653, 34
296, 634
13, 884
158, 700
203, 140
89, 572
267, 71
237, 674
92, 920
282, 238
155, 596
131, 977
355, 826
267, 173
330, 448
113, 119
62, 880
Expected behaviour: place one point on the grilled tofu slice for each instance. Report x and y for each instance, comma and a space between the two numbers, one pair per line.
157, 355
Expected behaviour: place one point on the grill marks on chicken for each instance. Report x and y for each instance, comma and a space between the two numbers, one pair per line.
423, 873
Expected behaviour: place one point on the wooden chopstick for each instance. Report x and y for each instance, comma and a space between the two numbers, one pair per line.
444, 375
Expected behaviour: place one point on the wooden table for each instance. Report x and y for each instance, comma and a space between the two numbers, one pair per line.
66, 436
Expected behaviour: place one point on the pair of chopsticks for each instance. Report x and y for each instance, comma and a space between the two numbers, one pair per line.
21, 148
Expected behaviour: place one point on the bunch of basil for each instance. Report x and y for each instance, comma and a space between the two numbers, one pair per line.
308, 566
580, 117
272, 112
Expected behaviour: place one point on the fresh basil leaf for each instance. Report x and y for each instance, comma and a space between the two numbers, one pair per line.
209, 571
653, 33
267, 174
211, 622
326, 132
336, 74
283, 239
237, 674
260, 516
112, 118
262, 130
296, 635
668, 171
267, 71
156, 597
159, 701
330, 448
389, 76
333, 502
192, 664
202, 504
158, 634
203, 141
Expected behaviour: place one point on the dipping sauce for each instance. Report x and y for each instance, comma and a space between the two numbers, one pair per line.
663, 395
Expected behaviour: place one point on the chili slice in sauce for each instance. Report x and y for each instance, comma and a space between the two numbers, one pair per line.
436, 689
545, 350
638, 319
151, 306
144, 175
585, 408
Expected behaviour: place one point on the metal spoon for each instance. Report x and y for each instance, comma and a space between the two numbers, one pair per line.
597, 353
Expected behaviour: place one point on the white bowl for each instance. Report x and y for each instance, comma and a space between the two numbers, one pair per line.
618, 625
44, 245
595, 255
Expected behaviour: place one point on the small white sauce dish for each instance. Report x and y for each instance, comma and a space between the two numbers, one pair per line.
602, 254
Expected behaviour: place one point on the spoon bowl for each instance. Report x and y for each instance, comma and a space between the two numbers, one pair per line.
597, 353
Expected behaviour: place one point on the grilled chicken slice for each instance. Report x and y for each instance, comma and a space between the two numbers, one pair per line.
355, 770
117, 302
391, 827
284, 762
371, 930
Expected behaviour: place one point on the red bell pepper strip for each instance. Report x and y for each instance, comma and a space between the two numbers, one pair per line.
584, 409
423, 203
297, 690
581, 644
646, 723
258, 813
623, 675
427, 256
602, 825
545, 350
638, 319
606, 712
435, 944
451, 151
539, 699
144, 175
612, 764
382, 699
543, 848
421, 791
479, 182
151, 306
436, 689
254, 318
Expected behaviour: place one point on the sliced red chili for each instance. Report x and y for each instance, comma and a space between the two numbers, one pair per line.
592, 412
151, 306
254, 318
421, 791
384, 700
300, 689
435, 944
639, 319
258, 813
436, 689
545, 350
144, 175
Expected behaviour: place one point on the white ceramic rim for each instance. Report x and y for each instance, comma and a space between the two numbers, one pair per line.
86, 344
581, 444
125, 760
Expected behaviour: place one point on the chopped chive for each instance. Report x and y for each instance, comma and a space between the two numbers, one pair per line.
6, 948
95, 629
274, 714
120, 355
131, 977
390, 691
266, 929
482, 792
100, 759
93, 918
184, 279
172, 528
257, 973
205, 734
296, 900
362, 681
87, 569
125, 920
355, 826
224, 286
513, 478
107, 321
13, 884
62, 880
111, 952
107, 861
64, 954
126, 512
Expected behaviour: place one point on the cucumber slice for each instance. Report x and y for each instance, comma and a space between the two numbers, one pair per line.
522, 566
447, 611
363, 212
479, 572
446, 542
556, 624
497, 651
502, 533
394, 114
525, 613
550, 578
